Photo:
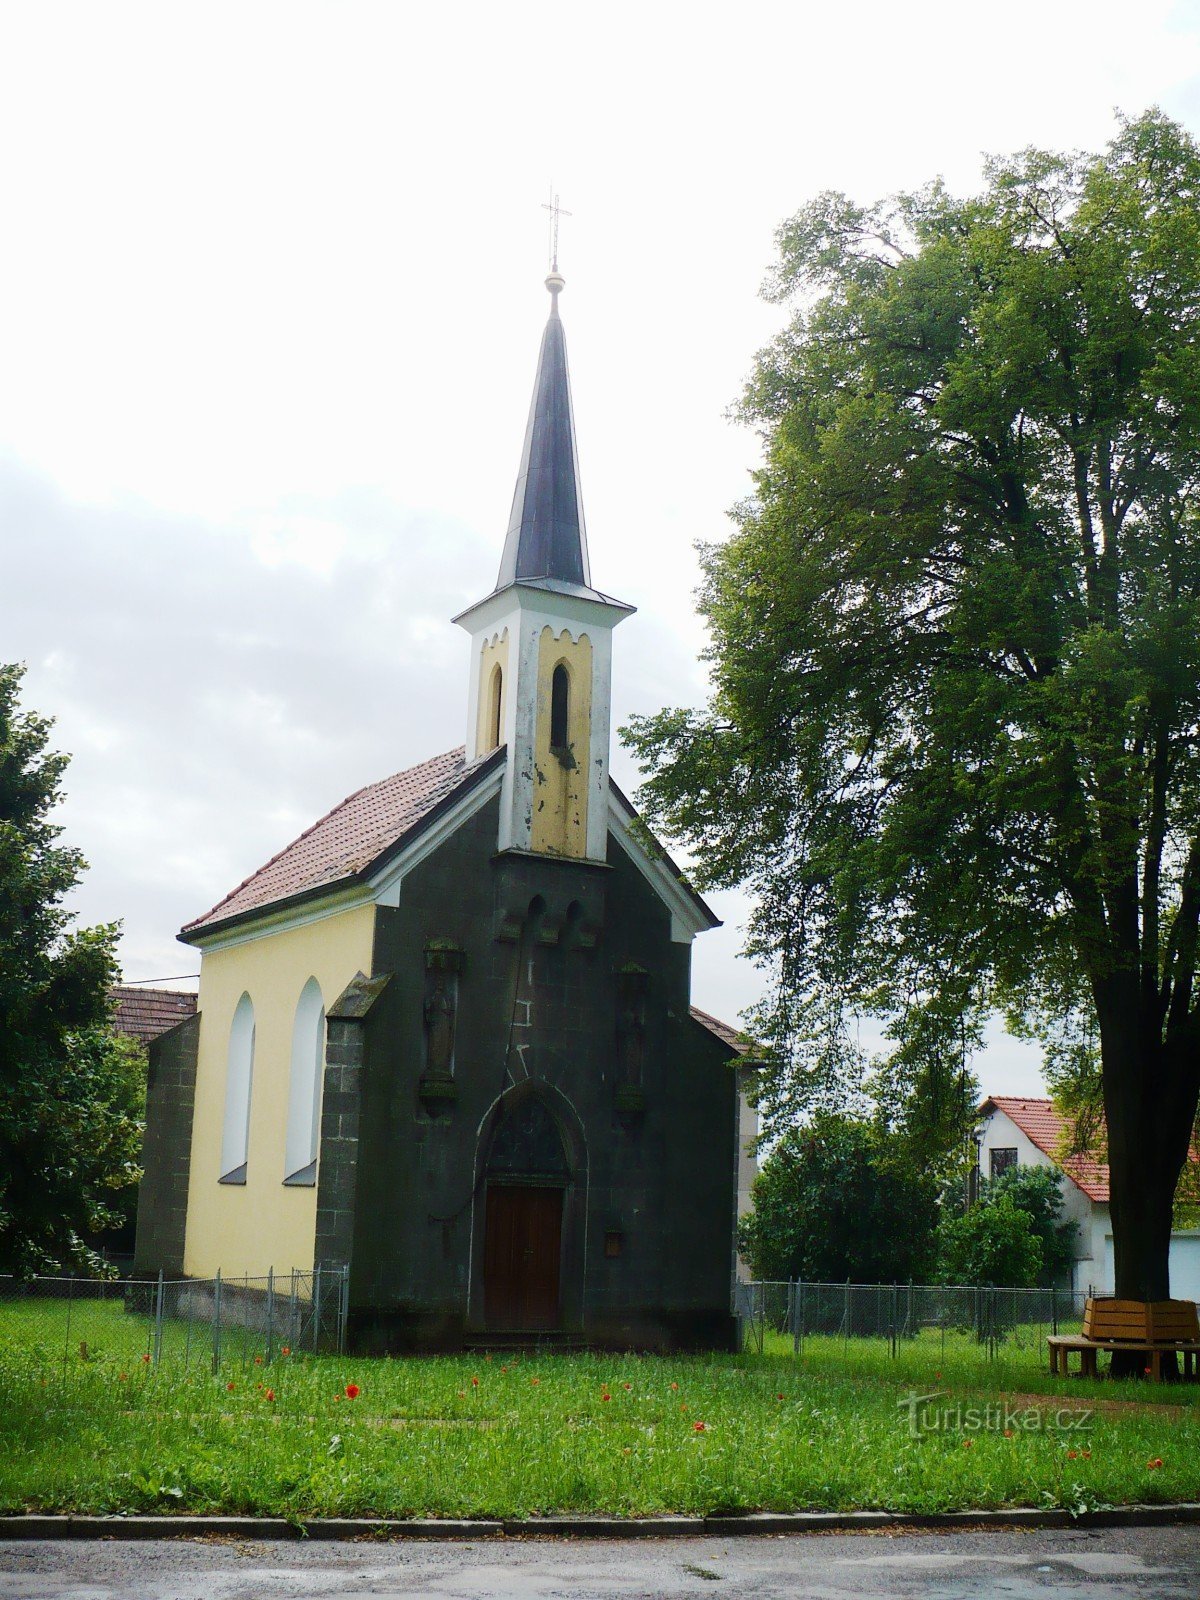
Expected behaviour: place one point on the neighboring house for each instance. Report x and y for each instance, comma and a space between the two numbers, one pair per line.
1030, 1132
444, 1038
144, 1013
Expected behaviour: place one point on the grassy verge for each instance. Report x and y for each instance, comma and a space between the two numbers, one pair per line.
554, 1433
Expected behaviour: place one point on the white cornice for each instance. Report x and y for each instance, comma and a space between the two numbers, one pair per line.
281, 919
548, 603
689, 915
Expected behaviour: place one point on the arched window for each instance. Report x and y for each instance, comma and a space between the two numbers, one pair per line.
495, 707
560, 697
304, 1092
239, 1072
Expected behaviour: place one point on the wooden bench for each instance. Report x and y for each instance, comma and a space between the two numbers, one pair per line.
1153, 1328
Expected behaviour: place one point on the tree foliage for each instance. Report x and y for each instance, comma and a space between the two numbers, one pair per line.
70, 1094
994, 1243
954, 740
835, 1200
1037, 1193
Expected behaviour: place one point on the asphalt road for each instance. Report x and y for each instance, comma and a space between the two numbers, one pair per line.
1152, 1564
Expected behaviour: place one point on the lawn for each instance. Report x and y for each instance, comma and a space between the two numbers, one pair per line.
101, 1429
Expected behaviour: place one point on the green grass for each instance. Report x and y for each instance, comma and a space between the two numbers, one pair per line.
536, 1435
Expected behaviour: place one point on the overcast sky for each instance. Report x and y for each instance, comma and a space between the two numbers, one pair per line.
270, 299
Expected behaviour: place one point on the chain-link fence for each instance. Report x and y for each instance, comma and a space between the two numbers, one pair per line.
215, 1322
781, 1317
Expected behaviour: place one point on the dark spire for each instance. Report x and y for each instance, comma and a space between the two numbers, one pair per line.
546, 535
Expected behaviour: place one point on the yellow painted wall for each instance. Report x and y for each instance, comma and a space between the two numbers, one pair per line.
494, 653
261, 1224
560, 794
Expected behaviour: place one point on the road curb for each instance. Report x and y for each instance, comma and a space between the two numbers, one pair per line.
35, 1526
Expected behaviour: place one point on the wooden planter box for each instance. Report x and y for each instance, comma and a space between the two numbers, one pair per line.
1141, 1321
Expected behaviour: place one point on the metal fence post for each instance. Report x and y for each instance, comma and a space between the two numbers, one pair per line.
344, 1329
270, 1311
846, 1314
158, 1318
67, 1333
316, 1294
216, 1345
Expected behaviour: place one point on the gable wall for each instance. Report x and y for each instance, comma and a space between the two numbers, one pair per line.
664, 1179
261, 1224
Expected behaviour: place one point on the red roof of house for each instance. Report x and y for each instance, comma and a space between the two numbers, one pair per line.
349, 840
733, 1037
145, 1013
1047, 1128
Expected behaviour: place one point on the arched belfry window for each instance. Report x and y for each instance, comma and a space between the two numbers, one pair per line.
304, 1090
239, 1074
495, 707
560, 706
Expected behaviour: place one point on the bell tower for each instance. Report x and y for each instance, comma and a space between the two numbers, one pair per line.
541, 642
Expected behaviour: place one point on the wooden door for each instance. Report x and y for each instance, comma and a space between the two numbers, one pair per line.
521, 1257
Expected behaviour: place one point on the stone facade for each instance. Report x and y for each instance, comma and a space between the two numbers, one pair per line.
167, 1150
548, 953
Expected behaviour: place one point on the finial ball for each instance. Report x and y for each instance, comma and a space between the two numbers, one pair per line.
556, 283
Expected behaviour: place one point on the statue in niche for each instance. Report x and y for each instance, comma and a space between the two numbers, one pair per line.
441, 1003
437, 1088
631, 1023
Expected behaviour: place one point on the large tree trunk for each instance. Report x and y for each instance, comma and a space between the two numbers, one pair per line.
1150, 1107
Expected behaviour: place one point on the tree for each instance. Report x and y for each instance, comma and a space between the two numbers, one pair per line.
954, 739
832, 1201
69, 1132
993, 1243
1037, 1191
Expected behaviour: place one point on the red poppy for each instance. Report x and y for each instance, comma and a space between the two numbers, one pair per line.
286, 1350
968, 1444
674, 1386
503, 1369
1072, 1455
474, 1383
606, 1396
1008, 1433
146, 1357
1154, 1464
462, 1394
535, 1382
123, 1377
1087, 1455
258, 1361
627, 1386
268, 1394
352, 1391
780, 1397
230, 1387
683, 1407
700, 1427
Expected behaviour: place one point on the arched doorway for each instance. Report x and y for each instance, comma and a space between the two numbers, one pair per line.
527, 1177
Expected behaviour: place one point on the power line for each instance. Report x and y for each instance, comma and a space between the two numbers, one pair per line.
132, 983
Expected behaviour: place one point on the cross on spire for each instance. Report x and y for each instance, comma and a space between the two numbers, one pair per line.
555, 211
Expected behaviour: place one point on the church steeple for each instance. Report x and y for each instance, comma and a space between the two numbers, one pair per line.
546, 537
542, 640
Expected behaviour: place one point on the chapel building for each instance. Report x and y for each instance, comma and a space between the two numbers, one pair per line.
444, 1039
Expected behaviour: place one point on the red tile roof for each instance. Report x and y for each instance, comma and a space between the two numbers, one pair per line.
1047, 1128
733, 1037
352, 838
145, 1013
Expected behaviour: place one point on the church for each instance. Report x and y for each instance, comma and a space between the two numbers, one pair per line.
444, 1039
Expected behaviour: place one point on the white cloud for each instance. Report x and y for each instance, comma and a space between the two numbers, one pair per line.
269, 308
